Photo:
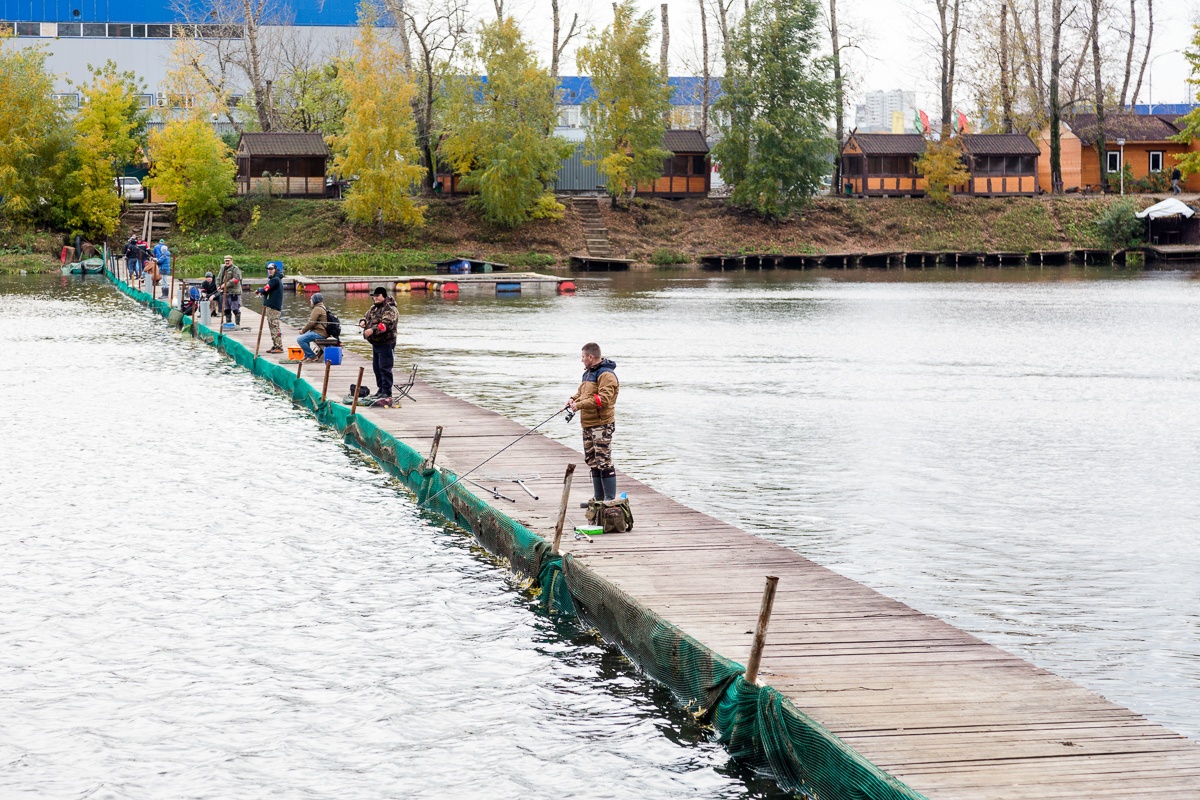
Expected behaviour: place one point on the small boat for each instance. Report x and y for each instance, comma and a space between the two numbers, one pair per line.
89, 266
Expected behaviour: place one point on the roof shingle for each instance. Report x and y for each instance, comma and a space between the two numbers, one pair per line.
999, 144
890, 144
1130, 127
684, 141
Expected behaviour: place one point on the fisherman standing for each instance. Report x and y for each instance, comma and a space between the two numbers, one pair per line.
596, 402
272, 295
379, 328
229, 280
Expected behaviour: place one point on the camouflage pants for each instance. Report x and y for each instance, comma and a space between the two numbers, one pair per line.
273, 324
597, 447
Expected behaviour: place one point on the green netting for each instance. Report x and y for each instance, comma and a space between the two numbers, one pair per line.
760, 727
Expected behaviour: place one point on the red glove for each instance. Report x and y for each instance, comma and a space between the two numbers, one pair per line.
235, 280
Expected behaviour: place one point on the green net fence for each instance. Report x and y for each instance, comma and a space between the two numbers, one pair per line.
761, 728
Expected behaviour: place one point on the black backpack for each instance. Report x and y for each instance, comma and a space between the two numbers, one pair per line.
333, 325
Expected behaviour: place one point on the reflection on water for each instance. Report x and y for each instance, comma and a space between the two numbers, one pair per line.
203, 594
1012, 450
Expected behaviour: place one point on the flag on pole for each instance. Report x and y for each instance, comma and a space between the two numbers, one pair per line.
963, 125
923, 122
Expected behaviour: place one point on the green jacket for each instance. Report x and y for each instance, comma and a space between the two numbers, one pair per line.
230, 277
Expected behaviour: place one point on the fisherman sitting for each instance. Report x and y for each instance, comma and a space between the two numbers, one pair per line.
314, 329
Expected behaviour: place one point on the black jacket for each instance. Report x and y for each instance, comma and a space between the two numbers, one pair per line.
209, 287
273, 293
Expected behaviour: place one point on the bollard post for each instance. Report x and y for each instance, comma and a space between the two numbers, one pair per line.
760, 632
357, 386
258, 342
437, 440
325, 384
562, 508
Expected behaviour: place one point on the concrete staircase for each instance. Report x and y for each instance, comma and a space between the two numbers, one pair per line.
595, 235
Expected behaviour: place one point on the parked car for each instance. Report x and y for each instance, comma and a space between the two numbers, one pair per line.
130, 188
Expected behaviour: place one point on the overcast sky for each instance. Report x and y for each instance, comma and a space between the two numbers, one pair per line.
893, 54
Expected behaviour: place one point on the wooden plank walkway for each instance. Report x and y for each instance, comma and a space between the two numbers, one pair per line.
943, 711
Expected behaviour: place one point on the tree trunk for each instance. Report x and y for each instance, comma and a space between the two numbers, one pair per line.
706, 76
839, 98
1137, 88
554, 41
1055, 109
663, 65
1005, 90
1129, 54
262, 106
1101, 141
948, 24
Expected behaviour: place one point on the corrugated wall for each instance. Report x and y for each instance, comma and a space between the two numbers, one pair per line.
576, 176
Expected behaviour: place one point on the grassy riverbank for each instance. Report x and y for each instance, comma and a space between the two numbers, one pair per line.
314, 236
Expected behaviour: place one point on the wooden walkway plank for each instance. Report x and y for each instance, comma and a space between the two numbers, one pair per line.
940, 709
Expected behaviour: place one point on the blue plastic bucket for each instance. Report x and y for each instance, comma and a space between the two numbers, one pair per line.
333, 355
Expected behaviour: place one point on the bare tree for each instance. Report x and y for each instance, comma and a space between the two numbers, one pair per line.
949, 24
557, 47
1056, 22
839, 96
1006, 100
706, 72
1098, 88
1137, 88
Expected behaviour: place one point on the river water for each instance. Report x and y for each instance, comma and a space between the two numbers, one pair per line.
203, 594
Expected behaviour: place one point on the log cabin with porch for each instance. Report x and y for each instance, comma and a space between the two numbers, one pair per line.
687, 171
885, 165
283, 164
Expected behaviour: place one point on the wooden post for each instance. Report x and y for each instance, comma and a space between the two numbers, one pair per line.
760, 633
437, 440
357, 387
258, 342
299, 365
562, 508
325, 384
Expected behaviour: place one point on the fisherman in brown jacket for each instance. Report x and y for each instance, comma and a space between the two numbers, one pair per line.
596, 402
314, 329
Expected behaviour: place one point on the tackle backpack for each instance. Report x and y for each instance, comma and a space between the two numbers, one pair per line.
613, 516
333, 325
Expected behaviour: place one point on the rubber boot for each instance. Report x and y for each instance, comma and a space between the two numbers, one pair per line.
597, 487
237, 317
610, 486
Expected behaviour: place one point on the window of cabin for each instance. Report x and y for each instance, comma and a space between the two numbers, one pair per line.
1012, 165
1156, 160
1028, 165
699, 166
875, 165
852, 165
680, 164
1114, 161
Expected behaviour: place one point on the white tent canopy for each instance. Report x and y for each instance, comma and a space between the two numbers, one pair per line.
1167, 208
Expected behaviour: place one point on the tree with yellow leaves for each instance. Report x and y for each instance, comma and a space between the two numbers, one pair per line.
110, 132
194, 167
190, 163
943, 167
34, 136
378, 150
626, 118
500, 129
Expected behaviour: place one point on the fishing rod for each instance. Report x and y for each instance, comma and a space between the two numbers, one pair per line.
489, 458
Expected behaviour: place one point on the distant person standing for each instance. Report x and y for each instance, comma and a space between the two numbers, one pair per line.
379, 328
596, 401
273, 305
133, 258
163, 256
229, 281
1176, 177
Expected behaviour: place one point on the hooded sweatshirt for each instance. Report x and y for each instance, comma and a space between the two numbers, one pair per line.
597, 395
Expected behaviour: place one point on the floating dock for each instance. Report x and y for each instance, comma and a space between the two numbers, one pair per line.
502, 283
923, 259
858, 695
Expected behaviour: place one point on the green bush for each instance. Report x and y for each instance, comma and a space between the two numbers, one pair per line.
1117, 227
663, 257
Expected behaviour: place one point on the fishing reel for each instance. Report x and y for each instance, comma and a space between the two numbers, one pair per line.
570, 414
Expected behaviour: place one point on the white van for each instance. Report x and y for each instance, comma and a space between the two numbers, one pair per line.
130, 188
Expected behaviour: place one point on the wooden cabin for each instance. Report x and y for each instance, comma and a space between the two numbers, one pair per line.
882, 165
1001, 164
687, 172
286, 164
1149, 148
885, 165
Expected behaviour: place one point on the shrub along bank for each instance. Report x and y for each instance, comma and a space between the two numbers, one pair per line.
313, 236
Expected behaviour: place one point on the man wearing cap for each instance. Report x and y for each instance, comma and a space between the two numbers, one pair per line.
314, 329
272, 295
379, 328
229, 280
